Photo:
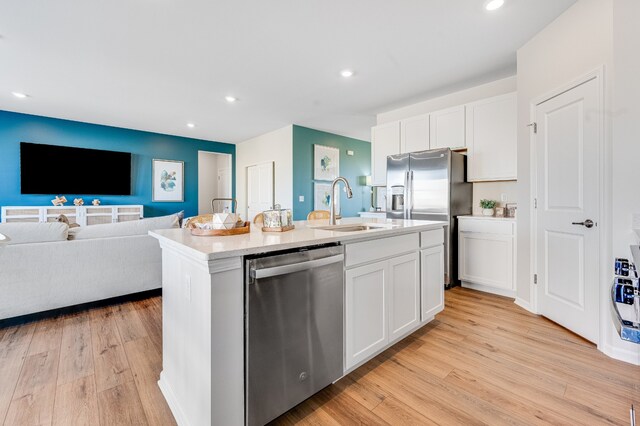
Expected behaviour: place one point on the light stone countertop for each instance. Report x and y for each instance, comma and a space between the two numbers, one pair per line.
505, 219
256, 241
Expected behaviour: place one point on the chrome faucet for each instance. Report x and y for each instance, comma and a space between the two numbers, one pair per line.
332, 212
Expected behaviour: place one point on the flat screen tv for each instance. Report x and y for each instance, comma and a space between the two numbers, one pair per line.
50, 169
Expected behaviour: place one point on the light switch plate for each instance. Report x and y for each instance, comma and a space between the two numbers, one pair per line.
503, 197
350, 153
635, 223
301, 198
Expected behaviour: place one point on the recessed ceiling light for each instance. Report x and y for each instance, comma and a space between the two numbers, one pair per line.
493, 4
19, 95
346, 73
230, 98
191, 125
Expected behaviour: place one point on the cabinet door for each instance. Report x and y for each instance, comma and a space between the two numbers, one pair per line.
404, 295
365, 311
414, 134
385, 141
486, 259
492, 138
432, 281
447, 128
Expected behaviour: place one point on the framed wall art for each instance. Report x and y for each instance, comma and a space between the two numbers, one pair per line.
322, 196
168, 181
326, 162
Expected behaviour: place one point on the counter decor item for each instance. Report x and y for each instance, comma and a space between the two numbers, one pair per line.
326, 162
488, 207
278, 220
203, 225
511, 208
499, 211
59, 200
168, 181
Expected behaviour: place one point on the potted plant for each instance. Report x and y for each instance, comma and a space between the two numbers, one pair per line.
488, 207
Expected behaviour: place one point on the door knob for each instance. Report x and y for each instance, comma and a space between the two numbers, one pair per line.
587, 223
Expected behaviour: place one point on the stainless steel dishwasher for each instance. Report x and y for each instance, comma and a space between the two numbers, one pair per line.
294, 328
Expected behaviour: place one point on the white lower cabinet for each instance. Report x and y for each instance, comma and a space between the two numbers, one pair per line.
487, 255
432, 261
404, 295
391, 288
366, 311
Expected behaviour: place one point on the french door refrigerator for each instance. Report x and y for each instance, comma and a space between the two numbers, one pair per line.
430, 185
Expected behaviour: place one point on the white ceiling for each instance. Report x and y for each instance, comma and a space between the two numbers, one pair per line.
157, 64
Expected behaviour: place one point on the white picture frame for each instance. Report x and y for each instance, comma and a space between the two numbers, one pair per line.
321, 193
326, 162
167, 181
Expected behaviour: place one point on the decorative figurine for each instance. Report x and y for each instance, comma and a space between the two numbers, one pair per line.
59, 200
96, 202
78, 202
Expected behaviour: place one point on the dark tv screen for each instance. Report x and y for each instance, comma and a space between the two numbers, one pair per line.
49, 169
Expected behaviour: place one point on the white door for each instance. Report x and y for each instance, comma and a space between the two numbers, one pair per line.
447, 128
259, 189
365, 311
432, 267
385, 141
568, 195
404, 294
414, 134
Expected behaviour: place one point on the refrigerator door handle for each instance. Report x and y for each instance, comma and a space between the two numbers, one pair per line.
410, 208
405, 212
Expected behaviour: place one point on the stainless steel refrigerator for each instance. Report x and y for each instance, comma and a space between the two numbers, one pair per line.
430, 185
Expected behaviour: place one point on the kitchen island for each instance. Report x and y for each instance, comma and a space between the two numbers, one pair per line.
393, 284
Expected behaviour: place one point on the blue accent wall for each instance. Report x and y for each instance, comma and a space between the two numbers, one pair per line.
351, 167
145, 146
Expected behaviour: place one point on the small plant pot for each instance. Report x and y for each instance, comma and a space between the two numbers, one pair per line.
487, 212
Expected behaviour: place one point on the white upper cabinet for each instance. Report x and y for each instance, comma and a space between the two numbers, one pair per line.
414, 134
385, 141
447, 128
492, 139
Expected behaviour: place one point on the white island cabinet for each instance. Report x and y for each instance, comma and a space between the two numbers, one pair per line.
389, 272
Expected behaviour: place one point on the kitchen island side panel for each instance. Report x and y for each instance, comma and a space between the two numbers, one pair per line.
203, 365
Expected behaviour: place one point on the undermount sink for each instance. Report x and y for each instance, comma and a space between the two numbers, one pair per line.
352, 228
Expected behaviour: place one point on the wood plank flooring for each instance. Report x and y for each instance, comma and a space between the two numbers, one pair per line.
482, 361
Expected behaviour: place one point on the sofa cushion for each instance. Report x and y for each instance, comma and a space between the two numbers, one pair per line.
26, 232
134, 227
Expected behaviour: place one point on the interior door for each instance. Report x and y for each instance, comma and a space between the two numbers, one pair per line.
259, 189
568, 194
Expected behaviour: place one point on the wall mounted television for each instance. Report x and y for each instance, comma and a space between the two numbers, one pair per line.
52, 169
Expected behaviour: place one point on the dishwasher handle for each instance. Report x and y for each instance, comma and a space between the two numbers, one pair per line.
294, 267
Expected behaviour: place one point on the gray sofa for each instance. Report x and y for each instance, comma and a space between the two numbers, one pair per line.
47, 265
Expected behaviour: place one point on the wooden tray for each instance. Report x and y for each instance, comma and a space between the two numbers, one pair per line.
280, 229
221, 232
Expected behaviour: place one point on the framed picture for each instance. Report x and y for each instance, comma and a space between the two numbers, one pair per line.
321, 196
168, 180
326, 162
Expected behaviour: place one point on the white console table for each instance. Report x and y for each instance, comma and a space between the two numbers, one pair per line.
82, 215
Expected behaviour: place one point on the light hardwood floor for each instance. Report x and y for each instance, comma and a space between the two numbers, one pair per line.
482, 361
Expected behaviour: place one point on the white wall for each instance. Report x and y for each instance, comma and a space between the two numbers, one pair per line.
494, 88
626, 134
488, 190
207, 180
276, 146
577, 42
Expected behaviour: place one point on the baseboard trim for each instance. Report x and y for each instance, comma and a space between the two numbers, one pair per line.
67, 310
488, 289
524, 305
172, 402
631, 357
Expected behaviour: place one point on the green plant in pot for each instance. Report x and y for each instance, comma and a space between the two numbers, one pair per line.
488, 207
